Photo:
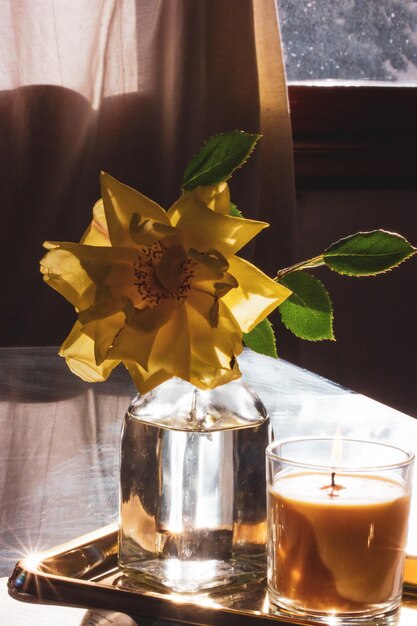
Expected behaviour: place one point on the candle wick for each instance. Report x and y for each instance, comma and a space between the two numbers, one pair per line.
333, 488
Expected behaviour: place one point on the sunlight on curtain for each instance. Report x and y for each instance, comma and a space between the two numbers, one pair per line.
87, 46
278, 182
134, 88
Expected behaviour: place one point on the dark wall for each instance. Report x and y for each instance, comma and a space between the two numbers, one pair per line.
375, 351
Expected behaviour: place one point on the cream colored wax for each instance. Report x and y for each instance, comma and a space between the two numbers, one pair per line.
340, 548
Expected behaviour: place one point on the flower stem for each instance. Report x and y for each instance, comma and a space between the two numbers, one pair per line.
314, 262
192, 417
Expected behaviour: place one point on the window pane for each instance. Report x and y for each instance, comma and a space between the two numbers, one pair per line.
350, 40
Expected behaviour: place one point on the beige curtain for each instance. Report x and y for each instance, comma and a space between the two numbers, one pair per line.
132, 87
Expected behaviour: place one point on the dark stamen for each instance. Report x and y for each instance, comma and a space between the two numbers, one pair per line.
149, 287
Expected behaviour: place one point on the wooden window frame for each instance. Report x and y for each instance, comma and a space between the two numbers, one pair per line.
354, 137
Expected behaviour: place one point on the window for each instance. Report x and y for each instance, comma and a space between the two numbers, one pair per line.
350, 40
352, 72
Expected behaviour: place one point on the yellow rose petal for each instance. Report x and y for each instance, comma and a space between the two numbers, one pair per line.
104, 332
145, 381
133, 345
210, 265
120, 203
103, 307
217, 347
204, 229
170, 355
64, 273
97, 234
75, 270
216, 197
206, 377
78, 351
148, 320
256, 295
171, 350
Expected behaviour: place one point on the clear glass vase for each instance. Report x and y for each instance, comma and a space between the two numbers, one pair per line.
192, 487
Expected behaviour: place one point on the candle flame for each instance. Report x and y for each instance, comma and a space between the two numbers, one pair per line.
337, 448
336, 458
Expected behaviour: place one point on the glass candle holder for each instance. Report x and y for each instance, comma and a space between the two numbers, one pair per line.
337, 527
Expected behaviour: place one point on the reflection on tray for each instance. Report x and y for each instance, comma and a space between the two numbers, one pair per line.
85, 572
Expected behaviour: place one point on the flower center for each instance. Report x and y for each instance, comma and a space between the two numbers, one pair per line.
154, 283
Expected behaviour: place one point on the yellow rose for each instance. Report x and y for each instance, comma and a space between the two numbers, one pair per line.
162, 292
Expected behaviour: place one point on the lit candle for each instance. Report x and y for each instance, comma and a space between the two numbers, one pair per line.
337, 539
339, 547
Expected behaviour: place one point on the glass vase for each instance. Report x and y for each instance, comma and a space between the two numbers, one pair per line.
192, 487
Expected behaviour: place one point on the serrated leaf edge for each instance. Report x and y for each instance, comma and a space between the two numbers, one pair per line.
412, 252
185, 184
271, 328
234, 211
332, 338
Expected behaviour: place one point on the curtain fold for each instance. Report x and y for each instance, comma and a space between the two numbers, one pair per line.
132, 87
276, 183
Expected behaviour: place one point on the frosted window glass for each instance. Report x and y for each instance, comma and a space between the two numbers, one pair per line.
350, 40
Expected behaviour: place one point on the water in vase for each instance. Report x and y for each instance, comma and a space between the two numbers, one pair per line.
193, 490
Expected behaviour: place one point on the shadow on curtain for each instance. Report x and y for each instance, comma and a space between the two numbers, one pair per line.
200, 68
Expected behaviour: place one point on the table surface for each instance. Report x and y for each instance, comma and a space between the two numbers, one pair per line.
59, 439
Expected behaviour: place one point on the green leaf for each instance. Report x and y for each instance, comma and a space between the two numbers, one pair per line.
234, 211
308, 311
262, 339
367, 254
218, 158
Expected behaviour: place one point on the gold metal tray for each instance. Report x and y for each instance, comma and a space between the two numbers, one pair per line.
84, 572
